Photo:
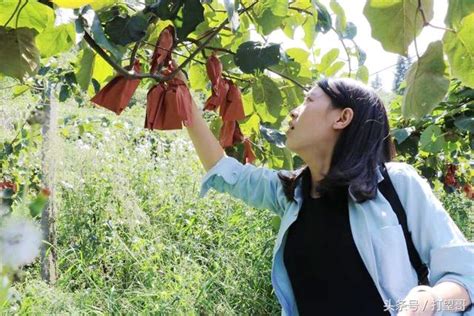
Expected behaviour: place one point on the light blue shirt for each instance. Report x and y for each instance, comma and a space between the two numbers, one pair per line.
375, 229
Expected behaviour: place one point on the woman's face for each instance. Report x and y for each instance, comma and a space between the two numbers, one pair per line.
315, 124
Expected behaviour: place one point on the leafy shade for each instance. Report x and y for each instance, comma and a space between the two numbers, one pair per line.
459, 47
395, 23
18, 53
426, 84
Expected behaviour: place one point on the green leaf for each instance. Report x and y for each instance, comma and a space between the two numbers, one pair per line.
252, 56
18, 53
361, 56
426, 83
251, 126
197, 77
334, 68
401, 134
350, 32
457, 10
459, 47
309, 27
98, 34
102, 71
33, 15
432, 140
267, 99
465, 123
19, 90
126, 30
298, 54
363, 74
273, 136
341, 21
324, 18
84, 68
38, 204
327, 60
56, 40
393, 22
267, 22
193, 14
165, 9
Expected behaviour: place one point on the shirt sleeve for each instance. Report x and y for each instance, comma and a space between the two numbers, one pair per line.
439, 241
257, 186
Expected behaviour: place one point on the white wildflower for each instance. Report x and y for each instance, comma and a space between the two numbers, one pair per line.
20, 240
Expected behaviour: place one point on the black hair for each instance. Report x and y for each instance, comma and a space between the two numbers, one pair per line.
362, 145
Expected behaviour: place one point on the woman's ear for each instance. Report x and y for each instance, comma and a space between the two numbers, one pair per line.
344, 118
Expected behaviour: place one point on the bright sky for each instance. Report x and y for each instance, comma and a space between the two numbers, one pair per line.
378, 60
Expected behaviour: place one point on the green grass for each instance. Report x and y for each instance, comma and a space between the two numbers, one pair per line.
133, 236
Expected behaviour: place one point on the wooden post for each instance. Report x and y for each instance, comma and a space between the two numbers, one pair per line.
48, 216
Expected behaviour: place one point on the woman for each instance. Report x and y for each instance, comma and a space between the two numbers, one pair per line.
340, 249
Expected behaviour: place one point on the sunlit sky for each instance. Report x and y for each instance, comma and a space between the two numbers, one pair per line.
378, 60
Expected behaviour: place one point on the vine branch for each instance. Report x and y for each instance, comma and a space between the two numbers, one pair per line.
124, 72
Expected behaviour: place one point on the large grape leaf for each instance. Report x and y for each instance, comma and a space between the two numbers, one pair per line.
252, 56
426, 83
267, 99
54, 40
432, 139
266, 20
395, 23
459, 47
126, 30
193, 14
278, 7
458, 10
33, 15
18, 53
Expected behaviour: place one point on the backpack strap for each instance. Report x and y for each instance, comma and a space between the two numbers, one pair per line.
388, 191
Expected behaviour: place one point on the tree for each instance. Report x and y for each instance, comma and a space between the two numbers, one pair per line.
377, 82
403, 64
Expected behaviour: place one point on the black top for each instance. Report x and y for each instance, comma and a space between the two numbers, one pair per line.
327, 274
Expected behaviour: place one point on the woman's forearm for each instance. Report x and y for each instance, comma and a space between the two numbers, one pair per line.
207, 146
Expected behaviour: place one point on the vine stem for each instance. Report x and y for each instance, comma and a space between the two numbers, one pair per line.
426, 23
345, 49
13, 14
268, 68
18, 14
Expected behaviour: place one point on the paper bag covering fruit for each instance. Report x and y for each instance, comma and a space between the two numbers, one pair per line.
116, 94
